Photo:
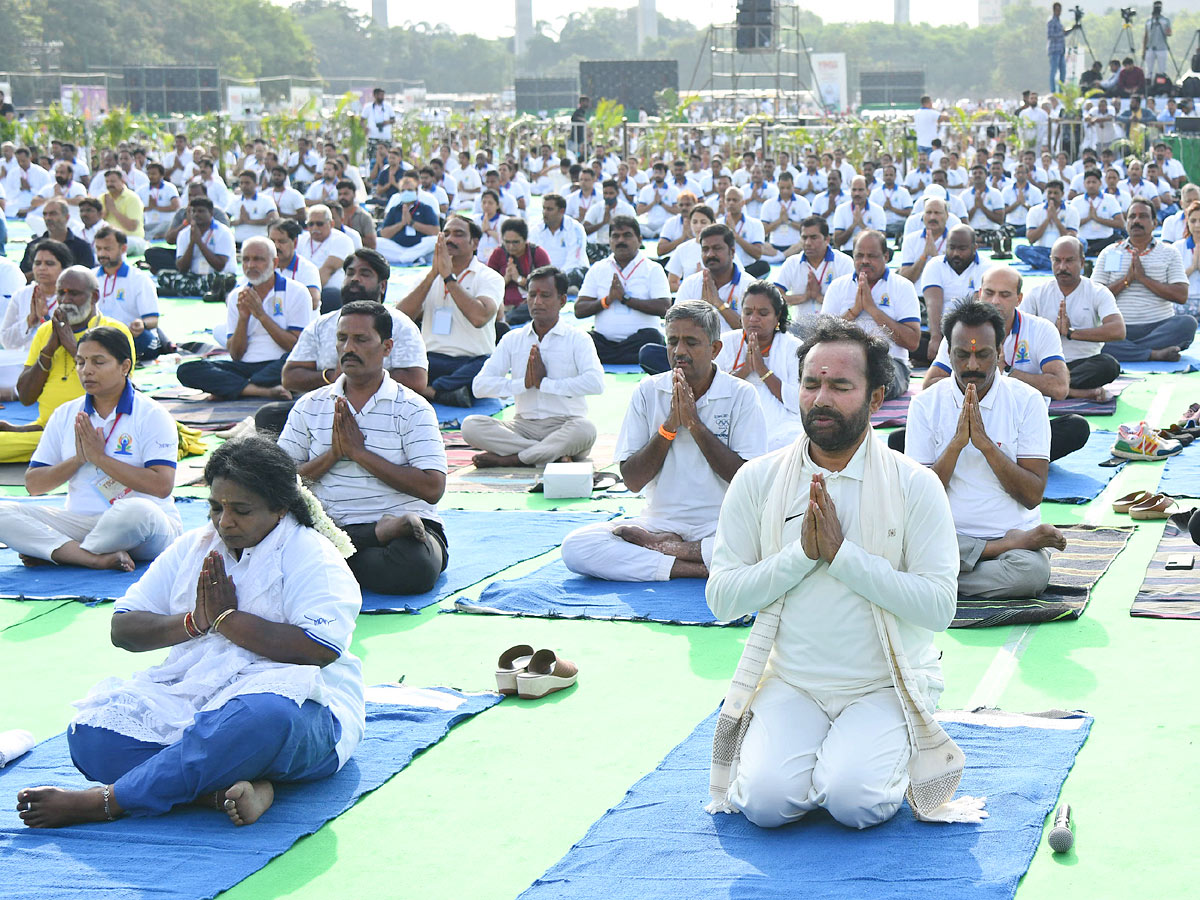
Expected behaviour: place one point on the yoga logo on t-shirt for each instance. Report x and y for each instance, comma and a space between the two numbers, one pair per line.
124, 445
1022, 353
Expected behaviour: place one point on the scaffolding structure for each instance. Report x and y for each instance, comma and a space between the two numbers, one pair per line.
774, 73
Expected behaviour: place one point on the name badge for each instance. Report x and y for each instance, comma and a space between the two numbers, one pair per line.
442, 320
1112, 262
111, 489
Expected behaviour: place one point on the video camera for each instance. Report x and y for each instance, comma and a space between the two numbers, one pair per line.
1128, 14
1078, 14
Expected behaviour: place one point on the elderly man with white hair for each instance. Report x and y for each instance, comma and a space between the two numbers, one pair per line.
264, 318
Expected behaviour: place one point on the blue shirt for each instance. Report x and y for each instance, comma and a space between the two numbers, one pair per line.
409, 236
1055, 36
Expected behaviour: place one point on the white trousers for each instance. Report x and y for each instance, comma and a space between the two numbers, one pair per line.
405, 256
845, 752
594, 550
535, 441
135, 525
1155, 63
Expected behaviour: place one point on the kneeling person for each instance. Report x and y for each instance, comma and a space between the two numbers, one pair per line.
987, 437
685, 434
372, 450
550, 368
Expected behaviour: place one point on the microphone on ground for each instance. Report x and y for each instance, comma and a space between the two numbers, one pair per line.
1062, 835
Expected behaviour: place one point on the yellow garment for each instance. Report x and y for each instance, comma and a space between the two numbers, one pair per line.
18, 446
62, 381
191, 441
128, 204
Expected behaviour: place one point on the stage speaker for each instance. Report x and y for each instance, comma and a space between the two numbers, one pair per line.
631, 82
891, 88
536, 94
755, 24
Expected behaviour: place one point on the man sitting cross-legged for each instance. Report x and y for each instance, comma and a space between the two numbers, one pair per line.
685, 434
987, 437
1086, 315
373, 452
848, 547
550, 368
264, 317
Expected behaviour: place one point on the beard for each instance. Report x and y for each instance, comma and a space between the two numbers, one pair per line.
76, 315
843, 431
266, 276
355, 291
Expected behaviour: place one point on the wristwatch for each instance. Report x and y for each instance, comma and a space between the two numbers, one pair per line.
1070, 331
450, 279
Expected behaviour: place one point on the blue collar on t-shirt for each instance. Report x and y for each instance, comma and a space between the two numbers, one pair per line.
124, 403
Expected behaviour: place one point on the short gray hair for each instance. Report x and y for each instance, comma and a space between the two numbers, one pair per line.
703, 314
82, 272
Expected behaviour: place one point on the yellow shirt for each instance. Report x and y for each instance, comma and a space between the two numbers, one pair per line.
128, 204
62, 381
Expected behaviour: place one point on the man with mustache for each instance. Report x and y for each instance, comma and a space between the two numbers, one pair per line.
457, 302
263, 318
315, 361
686, 433
1147, 278
55, 213
987, 437
926, 243
950, 278
127, 293
49, 378
372, 451
627, 292
844, 549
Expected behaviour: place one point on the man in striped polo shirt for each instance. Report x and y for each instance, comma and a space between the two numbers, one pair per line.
373, 453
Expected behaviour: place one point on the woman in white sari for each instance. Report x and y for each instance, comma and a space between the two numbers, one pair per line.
764, 354
257, 608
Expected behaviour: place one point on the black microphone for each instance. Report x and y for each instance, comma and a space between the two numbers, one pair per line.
1061, 837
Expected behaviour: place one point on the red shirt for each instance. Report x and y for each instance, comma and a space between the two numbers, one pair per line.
526, 263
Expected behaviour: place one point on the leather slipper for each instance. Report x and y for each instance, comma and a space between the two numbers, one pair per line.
546, 673
1124, 504
512, 663
1160, 506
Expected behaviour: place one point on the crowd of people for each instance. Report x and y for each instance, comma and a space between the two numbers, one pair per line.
774, 307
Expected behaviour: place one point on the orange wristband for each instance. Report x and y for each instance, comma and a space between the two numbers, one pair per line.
604, 302
667, 435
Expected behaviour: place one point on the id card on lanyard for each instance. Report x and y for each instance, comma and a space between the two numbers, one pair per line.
111, 489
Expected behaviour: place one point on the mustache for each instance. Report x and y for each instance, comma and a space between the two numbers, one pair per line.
350, 356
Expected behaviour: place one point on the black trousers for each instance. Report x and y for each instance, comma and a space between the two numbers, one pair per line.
760, 268
1067, 434
271, 417
625, 352
227, 378
402, 566
1093, 371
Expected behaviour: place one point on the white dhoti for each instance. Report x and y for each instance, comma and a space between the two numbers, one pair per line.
139, 527
594, 550
405, 256
535, 441
846, 752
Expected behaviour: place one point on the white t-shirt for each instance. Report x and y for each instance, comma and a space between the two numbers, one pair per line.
686, 489
1031, 343
318, 343
157, 196
257, 207
308, 168
784, 422
874, 217
643, 279
565, 247
900, 199
397, 424
894, 296
792, 278
287, 200
657, 216
444, 327
1032, 198
468, 187
182, 176
127, 295
302, 271
12, 279
138, 431
992, 200
218, 239
809, 184
374, 116
1087, 307
595, 215
1106, 205
917, 181
1066, 214
322, 191
955, 287
1015, 418
925, 121
288, 304
751, 230
762, 193
1174, 227
686, 259
798, 209
1186, 248
338, 246
692, 288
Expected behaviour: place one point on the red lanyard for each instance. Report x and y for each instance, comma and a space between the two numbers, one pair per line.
294, 266
625, 278
114, 428
109, 286
765, 354
812, 268
1016, 333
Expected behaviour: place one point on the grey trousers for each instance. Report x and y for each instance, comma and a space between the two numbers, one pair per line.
1015, 575
535, 441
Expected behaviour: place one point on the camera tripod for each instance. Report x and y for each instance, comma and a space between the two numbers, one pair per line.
1076, 36
1187, 55
1127, 33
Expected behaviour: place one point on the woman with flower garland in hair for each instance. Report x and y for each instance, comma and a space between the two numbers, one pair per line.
257, 608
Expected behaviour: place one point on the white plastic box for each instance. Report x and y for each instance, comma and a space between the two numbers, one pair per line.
565, 480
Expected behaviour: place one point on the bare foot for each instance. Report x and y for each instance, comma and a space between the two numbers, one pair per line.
32, 561
635, 534
51, 807
246, 801
1097, 395
278, 392
489, 460
1166, 354
1041, 538
389, 528
120, 561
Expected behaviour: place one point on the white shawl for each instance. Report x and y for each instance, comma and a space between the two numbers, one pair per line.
936, 765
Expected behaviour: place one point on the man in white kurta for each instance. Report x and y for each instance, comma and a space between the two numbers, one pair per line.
828, 728
686, 432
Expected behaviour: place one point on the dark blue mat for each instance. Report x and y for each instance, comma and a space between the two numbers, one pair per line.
1181, 477
1078, 477
453, 415
660, 843
193, 852
555, 592
467, 531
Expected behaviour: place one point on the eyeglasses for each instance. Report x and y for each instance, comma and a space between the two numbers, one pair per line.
313, 223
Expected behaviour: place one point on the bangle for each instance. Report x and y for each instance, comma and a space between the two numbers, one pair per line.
604, 302
666, 435
106, 793
189, 625
325, 377
767, 375
41, 366
219, 619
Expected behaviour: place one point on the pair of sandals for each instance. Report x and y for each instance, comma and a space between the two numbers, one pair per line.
529, 675
1175, 432
1145, 505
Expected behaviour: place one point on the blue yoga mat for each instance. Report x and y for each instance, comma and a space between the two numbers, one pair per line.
1186, 363
193, 852
623, 368
483, 406
466, 530
660, 843
1078, 477
17, 414
553, 591
1182, 475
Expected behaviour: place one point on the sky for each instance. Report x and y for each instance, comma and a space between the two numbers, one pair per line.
476, 16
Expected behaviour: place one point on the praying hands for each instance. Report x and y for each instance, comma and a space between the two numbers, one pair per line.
821, 532
216, 593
